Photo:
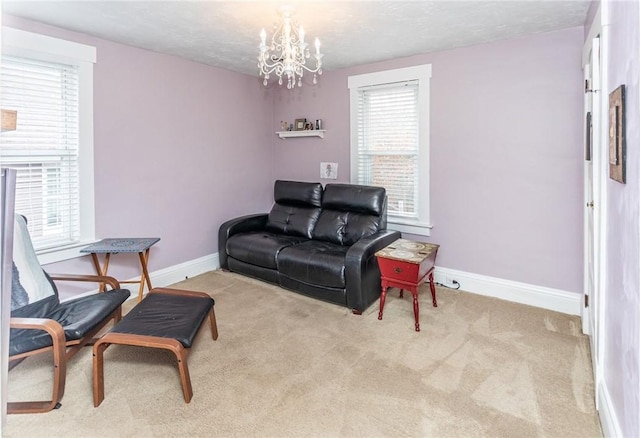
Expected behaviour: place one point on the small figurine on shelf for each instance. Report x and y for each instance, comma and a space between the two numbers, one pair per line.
318, 124
290, 126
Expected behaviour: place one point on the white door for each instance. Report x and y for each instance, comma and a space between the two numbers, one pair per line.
589, 239
593, 204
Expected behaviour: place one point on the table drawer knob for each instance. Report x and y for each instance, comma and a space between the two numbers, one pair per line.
397, 270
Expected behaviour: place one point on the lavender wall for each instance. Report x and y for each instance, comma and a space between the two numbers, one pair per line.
506, 177
506, 153
180, 147
621, 321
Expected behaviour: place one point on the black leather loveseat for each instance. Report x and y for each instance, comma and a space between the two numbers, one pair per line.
320, 243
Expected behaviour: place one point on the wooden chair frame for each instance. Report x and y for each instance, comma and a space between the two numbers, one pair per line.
62, 349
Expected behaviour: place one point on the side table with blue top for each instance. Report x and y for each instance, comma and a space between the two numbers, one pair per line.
118, 245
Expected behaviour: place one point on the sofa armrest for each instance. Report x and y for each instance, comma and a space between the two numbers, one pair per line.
362, 272
254, 222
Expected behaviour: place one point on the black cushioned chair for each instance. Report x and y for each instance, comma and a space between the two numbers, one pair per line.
40, 323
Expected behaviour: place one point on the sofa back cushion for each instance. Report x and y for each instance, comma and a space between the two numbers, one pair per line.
296, 209
351, 212
351, 197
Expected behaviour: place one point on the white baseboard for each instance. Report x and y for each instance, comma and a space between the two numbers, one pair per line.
538, 296
172, 274
608, 417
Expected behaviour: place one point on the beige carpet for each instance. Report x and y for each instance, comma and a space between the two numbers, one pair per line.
288, 365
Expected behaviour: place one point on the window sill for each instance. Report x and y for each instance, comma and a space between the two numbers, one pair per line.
53, 255
410, 227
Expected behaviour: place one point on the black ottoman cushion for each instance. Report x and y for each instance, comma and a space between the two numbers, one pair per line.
167, 316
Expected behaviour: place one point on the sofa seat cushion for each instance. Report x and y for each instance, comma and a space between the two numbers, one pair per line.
77, 317
314, 262
260, 248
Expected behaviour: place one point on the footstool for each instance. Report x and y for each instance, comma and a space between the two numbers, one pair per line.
165, 318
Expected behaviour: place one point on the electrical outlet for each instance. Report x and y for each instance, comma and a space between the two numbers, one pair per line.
448, 280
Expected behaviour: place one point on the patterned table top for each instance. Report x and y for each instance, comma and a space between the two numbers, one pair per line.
127, 244
408, 251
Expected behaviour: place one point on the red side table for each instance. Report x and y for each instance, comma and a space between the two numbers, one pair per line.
405, 264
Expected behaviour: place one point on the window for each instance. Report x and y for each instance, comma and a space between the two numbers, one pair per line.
50, 84
390, 141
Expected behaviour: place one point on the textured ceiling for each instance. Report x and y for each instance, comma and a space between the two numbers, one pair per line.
226, 33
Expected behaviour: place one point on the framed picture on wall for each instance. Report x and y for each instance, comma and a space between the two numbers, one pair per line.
617, 144
300, 124
328, 170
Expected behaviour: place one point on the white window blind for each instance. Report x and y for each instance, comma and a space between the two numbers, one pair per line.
388, 143
45, 148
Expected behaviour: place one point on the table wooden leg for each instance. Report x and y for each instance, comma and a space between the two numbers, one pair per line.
433, 290
101, 270
144, 258
416, 309
383, 297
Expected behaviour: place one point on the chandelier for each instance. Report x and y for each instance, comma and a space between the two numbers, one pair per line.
287, 53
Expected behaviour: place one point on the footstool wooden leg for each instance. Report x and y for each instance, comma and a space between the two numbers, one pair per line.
98, 372
184, 374
214, 326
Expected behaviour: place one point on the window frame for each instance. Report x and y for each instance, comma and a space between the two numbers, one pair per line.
16, 42
422, 74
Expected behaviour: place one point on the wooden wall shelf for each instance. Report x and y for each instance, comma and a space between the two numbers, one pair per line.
295, 134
